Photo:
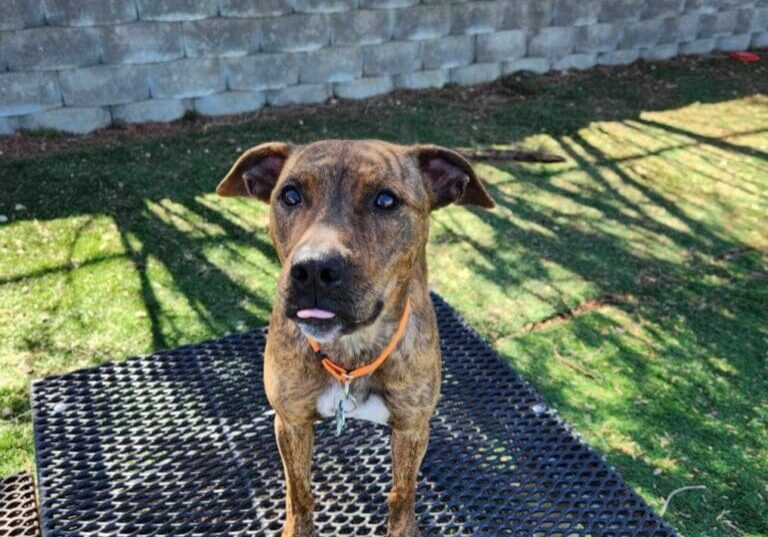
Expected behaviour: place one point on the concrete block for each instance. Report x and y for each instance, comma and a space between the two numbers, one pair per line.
254, 8
659, 52
143, 42
322, 6
89, 12
422, 79
392, 58
726, 5
531, 15
642, 34
621, 10
104, 84
448, 52
699, 46
336, 64
154, 110
761, 15
49, 48
301, 94
263, 72
20, 14
27, 93
477, 17
736, 4
576, 12
364, 88
501, 46
177, 10
600, 37
361, 27
386, 4
533, 65
578, 62
717, 24
9, 125
618, 57
555, 41
294, 33
746, 21
702, 6
478, 73
683, 28
230, 103
221, 37
760, 19
759, 40
424, 22
733, 42
663, 8
71, 120
183, 79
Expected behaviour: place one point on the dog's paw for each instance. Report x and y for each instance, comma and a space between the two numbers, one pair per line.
299, 528
411, 532
409, 529
293, 532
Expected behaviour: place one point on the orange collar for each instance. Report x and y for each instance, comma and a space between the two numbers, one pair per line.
344, 376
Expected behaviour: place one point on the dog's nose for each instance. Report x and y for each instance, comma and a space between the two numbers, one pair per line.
318, 274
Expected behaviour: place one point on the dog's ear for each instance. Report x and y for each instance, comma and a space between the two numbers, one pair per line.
255, 173
449, 178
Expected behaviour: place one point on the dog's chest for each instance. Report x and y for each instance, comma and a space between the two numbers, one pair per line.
371, 408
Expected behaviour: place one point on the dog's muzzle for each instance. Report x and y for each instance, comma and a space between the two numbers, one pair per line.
316, 290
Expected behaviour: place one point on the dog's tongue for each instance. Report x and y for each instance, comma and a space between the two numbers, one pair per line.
315, 314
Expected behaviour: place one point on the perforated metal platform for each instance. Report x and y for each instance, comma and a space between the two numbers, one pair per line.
181, 443
18, 507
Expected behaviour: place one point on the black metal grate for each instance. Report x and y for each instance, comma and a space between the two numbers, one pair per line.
18, 508
181, 443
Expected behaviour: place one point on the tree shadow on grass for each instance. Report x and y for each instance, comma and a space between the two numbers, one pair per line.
698, 312
214, 296
124, 184
219, 301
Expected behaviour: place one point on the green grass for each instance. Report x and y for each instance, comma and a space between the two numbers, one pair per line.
662, 203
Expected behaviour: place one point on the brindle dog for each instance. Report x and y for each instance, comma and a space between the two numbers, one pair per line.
349, 221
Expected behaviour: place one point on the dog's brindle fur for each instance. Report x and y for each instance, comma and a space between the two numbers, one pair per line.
384, 254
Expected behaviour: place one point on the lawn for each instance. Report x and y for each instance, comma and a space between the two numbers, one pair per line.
628, 284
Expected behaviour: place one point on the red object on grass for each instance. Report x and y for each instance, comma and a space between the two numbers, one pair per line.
745, 56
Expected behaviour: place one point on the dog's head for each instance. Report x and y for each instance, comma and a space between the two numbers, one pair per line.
349, 221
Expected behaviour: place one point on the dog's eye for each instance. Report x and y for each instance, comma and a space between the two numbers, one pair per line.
291, 196
386, 200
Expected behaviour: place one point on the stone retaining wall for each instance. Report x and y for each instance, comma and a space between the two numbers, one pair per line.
79, 65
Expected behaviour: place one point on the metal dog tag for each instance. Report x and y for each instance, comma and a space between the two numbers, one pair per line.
341, 409
341, 418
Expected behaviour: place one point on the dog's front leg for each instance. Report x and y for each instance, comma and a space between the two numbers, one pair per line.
295, 445
408, 448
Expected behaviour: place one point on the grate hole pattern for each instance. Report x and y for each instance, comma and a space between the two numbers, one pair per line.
181, 443
18, 508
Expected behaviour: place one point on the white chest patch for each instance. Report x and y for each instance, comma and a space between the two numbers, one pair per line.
372, 409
